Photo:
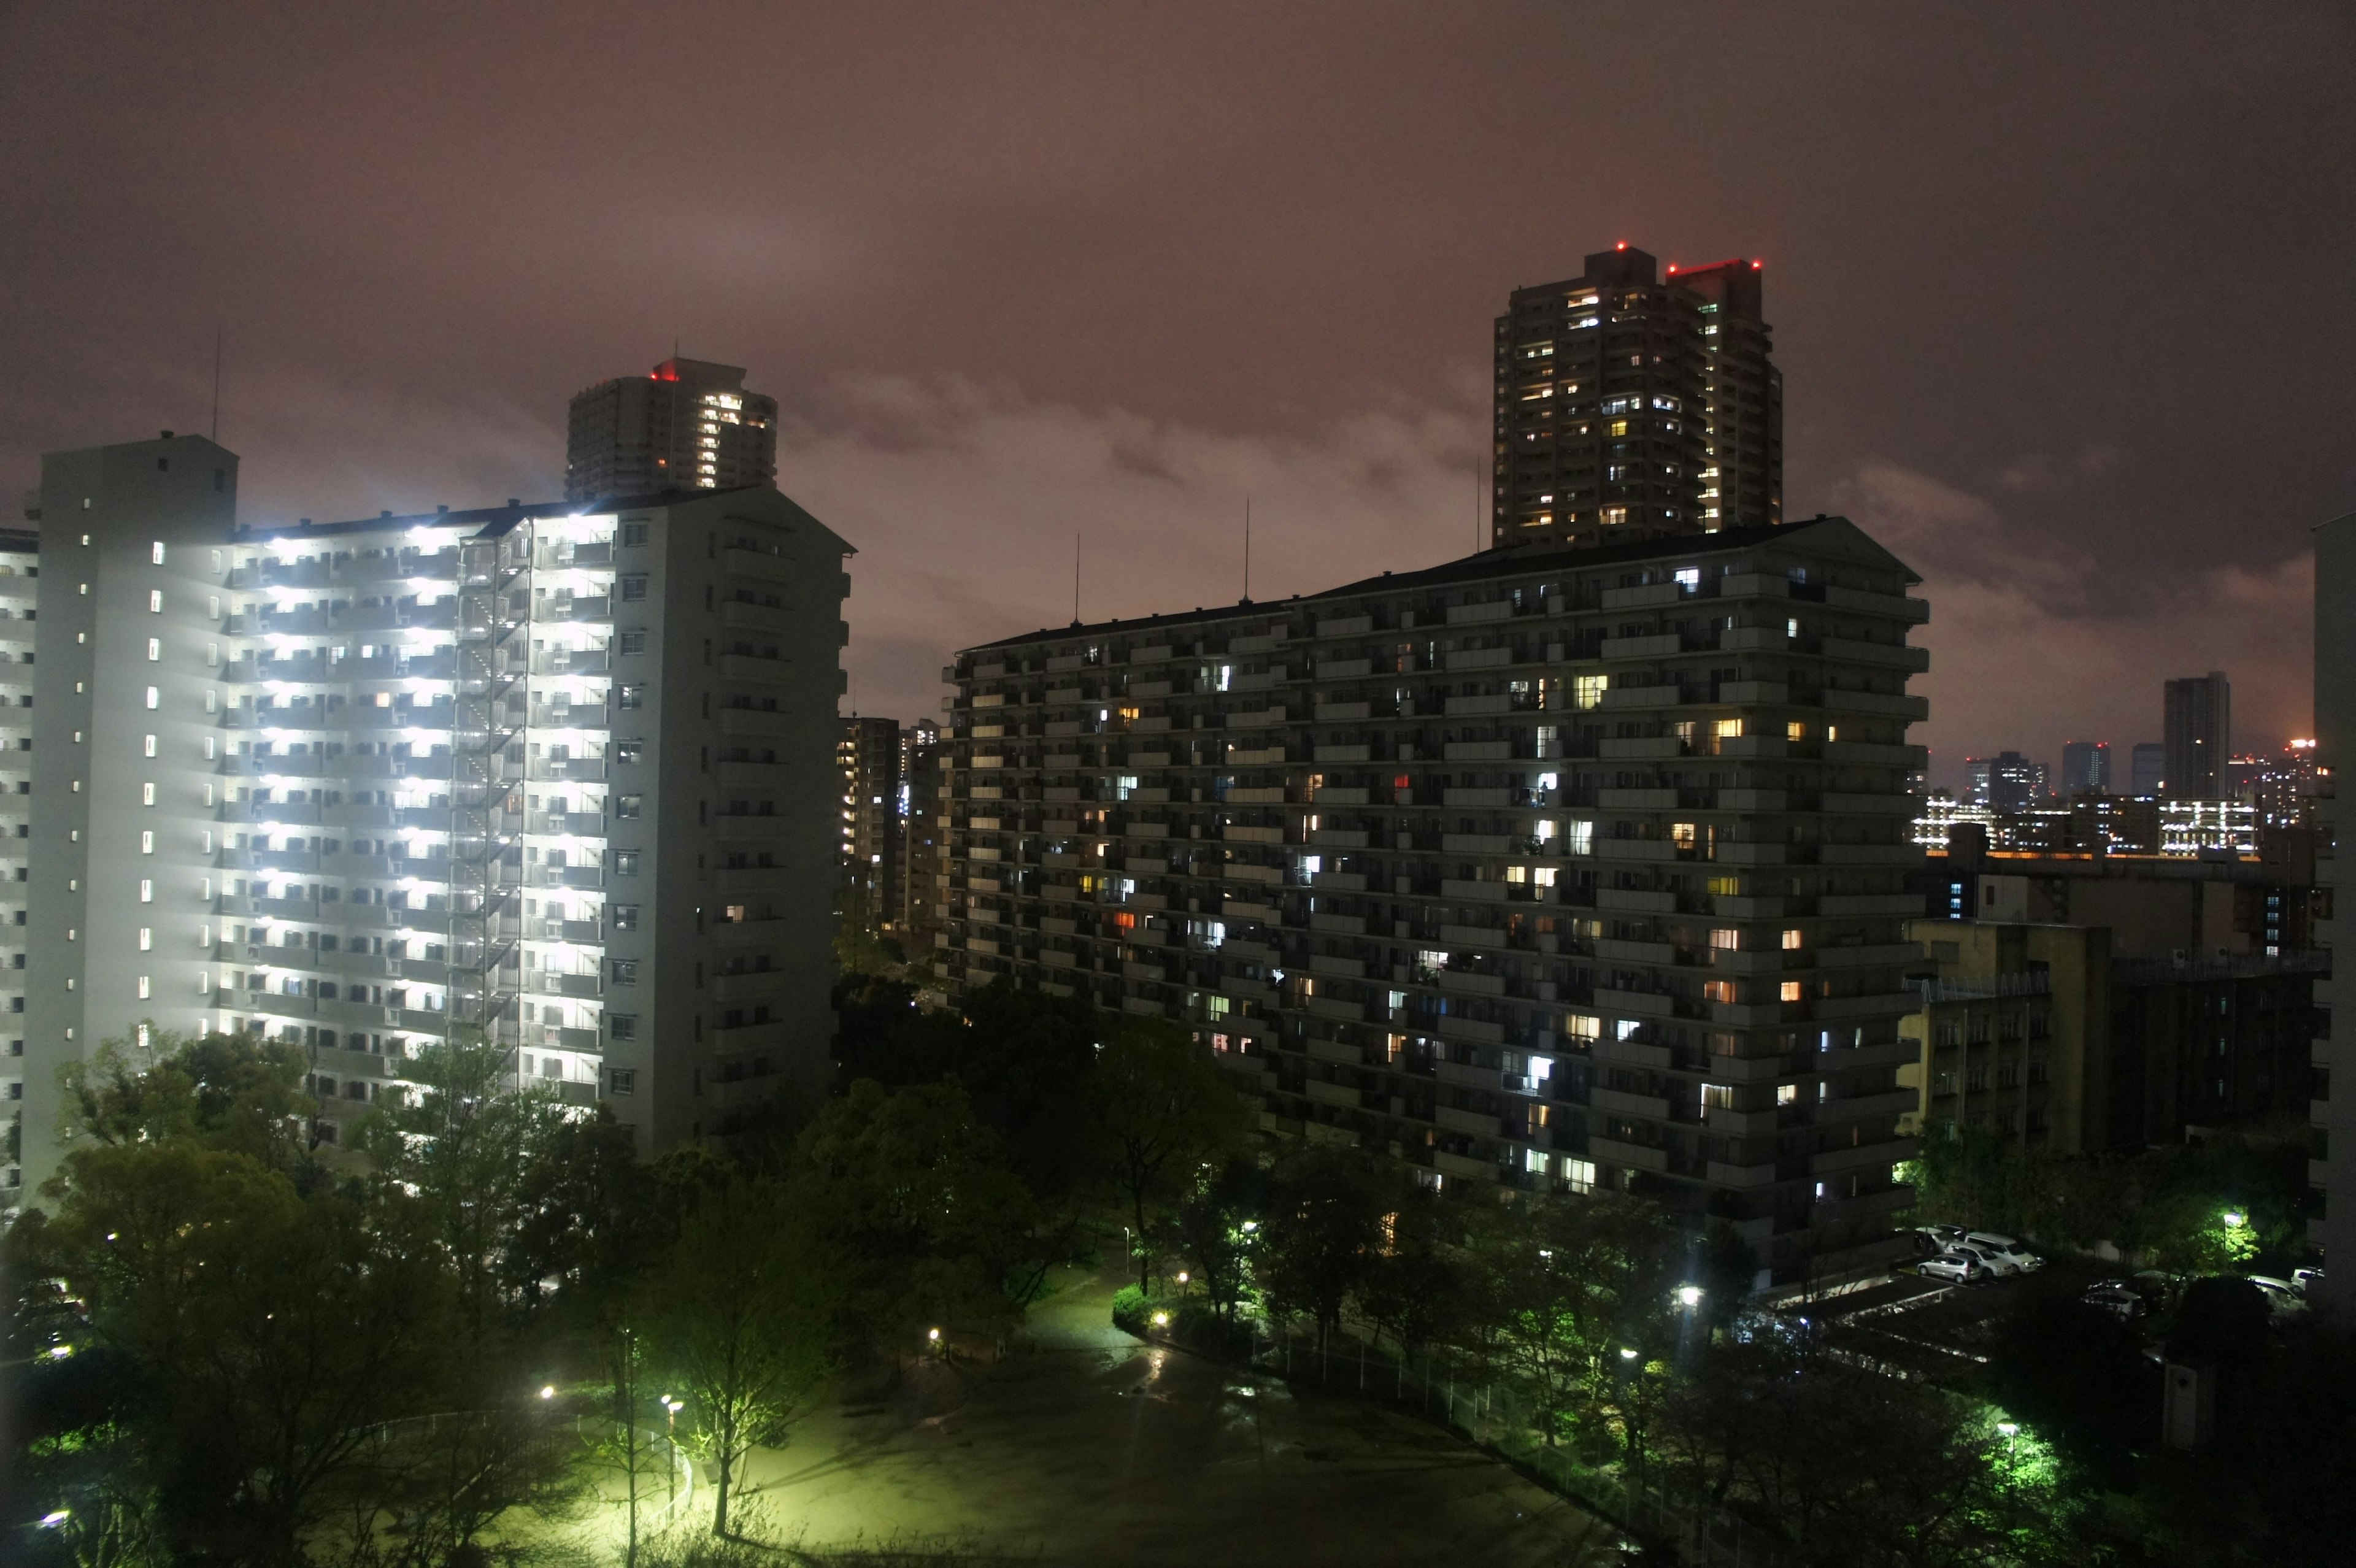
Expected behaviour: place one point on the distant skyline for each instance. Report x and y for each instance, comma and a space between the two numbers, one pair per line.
2059, 300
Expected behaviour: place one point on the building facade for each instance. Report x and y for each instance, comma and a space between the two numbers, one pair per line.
20, 566
687, 425
924, 833
1627, 405
2006, 782
2042, 1034
2147, 770
2331, 1170
868, 755
2199, 736
553, 778
1546, 868
2085, 768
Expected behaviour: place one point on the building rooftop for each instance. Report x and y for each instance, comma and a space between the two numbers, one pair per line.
488, 521
1534, 556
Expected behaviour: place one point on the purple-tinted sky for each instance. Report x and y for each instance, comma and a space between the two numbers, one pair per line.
2062, 293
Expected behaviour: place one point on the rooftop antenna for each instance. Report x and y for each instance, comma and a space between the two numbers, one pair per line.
1476, 506
1248, 550
217, 368
1075, 577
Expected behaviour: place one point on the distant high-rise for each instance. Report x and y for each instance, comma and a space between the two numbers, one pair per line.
924, 830
2199, 736
869, 755
2087, 767
2007, 781
2147, 769
688, 425
1628, 407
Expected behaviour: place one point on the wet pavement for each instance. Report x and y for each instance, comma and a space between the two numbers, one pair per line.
1085, 1447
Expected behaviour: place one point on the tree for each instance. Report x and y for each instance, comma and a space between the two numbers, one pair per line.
1324, 1223
1418, 1286
746, 1313
461, 1155
1167, 1110
267, 1333
225, 1091
915, 1197
1209, 1230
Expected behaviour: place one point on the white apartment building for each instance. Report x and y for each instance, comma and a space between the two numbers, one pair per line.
19, 570
558, 776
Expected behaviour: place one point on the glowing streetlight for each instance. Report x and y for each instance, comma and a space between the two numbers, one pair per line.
548, 1390
1688, 1295
932, 1335
55, 1519
2235, 1219
1182, 1276
1162, 1321
1626, 1354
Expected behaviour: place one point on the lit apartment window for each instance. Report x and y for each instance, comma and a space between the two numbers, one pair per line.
146, 938
154, 698
146, 892
1792, 939
148, 793
147, 988
154, 601
155, 649
147, 842
147, 745
156, 552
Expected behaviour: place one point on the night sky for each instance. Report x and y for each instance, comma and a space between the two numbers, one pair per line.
2062, 293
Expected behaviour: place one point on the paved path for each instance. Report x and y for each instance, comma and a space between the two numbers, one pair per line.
1092, 1448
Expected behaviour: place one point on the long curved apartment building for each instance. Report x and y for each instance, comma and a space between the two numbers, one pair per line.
1551, 868
557, 776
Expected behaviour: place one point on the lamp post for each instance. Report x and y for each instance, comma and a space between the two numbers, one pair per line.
671, 1407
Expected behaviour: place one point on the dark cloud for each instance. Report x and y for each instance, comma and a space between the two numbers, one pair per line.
2061, 291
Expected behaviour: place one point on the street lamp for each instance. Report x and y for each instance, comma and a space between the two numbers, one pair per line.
548, 1390
671, 1407
1689, 1297
2235, 1219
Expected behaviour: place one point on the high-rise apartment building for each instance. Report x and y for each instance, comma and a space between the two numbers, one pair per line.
2085, 768
922, 828
2006, 782
1631, 406
2148, 769
868, 756
688, 425
552, 776
1548, 867
2199, 736
2333, 1169
19, 580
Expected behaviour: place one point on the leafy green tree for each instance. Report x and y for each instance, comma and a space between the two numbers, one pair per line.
1167, 1112
915, 1198
461, 1155
1325, 1226
1209, 1230
268, 1333
746, 1316
232, 1092
1417, 1286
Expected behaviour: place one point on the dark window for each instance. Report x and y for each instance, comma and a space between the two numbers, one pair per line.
626, 916
634, 533
626, 862
621, 1080
633, 586
630, 751
628, 806
622, 1025
625, 971
630, 643
629, 697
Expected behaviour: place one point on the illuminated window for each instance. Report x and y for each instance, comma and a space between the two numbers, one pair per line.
1613, 516
1789, 991
1725, 938
156, 552
1717, 1097
1795, 731
155, 698
154, 601
1717, 990
155, 651
146, 988
1726, 887
147, 745
148, 793
147, 842
146, 938
1787, 1093
1587, 690
1684, 834
146, 892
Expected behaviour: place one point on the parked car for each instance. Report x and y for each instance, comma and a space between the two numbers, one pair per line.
2159, 1290
2115, 1296
2305, 1280
1955, 1266
2011, 1257
2283, 1300
1939, 1238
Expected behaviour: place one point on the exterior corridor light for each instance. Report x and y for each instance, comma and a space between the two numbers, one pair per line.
933, 1335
